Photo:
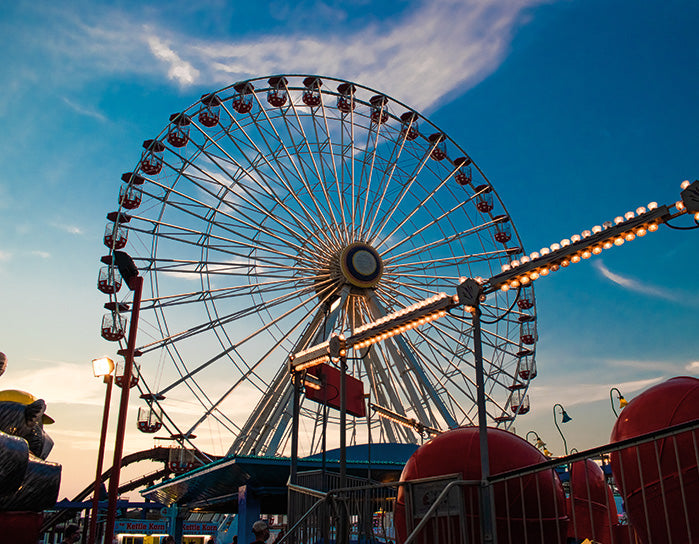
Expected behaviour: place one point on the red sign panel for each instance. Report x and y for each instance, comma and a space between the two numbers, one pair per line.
329, 393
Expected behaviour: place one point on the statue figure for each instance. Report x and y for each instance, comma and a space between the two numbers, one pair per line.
28, 483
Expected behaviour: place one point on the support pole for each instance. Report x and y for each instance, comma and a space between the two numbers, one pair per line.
486, 490
293, 469
136, 283
109, 380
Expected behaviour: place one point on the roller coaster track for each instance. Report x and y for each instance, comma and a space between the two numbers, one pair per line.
154, 454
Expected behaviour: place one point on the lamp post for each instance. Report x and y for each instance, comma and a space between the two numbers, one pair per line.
622, 401
102, 367
129, 272
565, 418
539, 443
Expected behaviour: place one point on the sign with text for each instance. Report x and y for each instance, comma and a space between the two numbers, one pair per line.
160, 527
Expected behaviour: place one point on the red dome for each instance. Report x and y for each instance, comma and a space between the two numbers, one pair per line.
520, 504
656, 483
591, 507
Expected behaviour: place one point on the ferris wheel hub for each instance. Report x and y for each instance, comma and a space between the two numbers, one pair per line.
361, 265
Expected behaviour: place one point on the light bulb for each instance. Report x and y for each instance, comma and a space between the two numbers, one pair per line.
596, 250
618, 241
545, 251
555, 247
534, 276
629, 236
640, 210
606, 225
641, 231
586, 233
586, 254
524, 259
534, 255
618, 219
696, 216
596, 229
654, 226
685, 184
575, 259
652, 205
629, 215
554, 267
544, 271
565, 263
565, 242
575, 238
514, 284
679, 206
524, 280
607, 244
514, 263
504, 287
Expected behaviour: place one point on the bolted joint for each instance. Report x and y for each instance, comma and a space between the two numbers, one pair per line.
469, 292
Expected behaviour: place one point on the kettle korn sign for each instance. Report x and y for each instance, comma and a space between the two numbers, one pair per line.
148, 527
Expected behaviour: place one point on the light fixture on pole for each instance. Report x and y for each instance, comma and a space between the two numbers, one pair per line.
129, 272
565, 418
622, 401
539, 443
102, 367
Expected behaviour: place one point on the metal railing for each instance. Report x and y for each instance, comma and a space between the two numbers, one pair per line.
643, 490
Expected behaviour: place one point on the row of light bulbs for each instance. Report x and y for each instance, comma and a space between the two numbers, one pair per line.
400, 313
400, 329
584, 253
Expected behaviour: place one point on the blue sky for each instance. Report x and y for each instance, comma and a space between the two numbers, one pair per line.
576, 111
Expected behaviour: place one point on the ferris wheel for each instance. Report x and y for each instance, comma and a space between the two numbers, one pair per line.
277, 211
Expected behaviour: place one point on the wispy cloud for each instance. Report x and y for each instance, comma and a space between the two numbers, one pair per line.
430, 50
693, 367
178, 70
70, 229
42, 254
584, 393
5, 255
639, 287
82, 110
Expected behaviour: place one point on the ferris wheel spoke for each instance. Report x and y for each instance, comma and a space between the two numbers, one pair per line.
446, 241
436, 220
293, 160
417, 206
443, 262
250, 199
249, 262
330, 146
372, 137
248, 224
337, 178
387, 178
305, 143
203, 327
244, 377
277, 172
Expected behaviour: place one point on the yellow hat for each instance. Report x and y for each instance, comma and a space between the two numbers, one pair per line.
24, 398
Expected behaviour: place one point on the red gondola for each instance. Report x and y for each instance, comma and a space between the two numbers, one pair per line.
379, 115
178, 132
210, 114
311, 96
439, 141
